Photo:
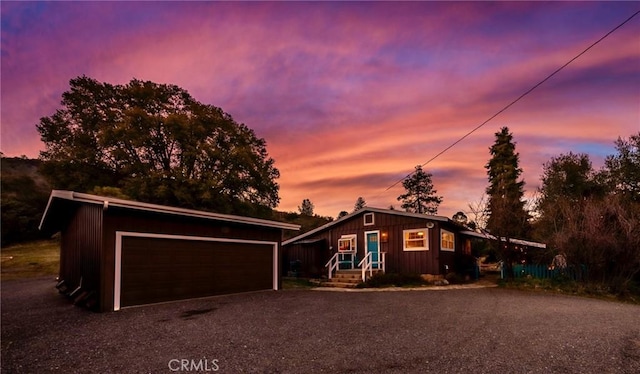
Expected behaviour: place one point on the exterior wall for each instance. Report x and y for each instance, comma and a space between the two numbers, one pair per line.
81, 247
311, 256
397, 260
448, 259
135, 221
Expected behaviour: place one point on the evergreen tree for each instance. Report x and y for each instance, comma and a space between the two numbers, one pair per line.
360, 203
507, 215
306, 208
420, 196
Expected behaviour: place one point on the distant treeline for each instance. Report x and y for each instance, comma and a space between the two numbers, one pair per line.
25, 193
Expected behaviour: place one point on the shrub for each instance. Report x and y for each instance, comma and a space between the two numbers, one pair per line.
455, 278
393, 279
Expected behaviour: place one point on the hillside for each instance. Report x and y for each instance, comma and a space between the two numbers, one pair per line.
24, 196
25, 193
307, 223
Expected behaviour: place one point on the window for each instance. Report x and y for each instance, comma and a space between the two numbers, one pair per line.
447, 241
368, 219
347, 243
415, 240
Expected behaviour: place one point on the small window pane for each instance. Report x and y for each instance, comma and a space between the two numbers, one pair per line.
347, 243
368, 219
415, 240
447, 241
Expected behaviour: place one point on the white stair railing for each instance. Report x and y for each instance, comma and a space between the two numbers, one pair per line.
333, 264
367, 264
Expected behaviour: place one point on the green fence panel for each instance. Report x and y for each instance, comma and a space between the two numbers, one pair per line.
545, 272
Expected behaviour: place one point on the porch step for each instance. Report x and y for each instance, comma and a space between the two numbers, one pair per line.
335, 284
346, 278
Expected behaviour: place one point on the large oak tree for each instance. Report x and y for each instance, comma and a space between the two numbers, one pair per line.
594, 217
157, 144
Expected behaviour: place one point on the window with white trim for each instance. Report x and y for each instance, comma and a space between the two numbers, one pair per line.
415, 240
347, 243
369, 219
447, 241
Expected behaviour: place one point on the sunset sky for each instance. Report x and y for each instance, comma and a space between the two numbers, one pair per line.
350, 97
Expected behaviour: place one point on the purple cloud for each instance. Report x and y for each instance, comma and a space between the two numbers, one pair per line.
349, 96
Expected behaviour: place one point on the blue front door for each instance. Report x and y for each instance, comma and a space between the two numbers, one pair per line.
373, 246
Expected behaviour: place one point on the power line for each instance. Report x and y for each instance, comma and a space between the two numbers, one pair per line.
516, 100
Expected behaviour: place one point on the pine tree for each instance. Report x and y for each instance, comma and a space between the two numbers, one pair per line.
360, 203
420, 196
306, 208
507, 215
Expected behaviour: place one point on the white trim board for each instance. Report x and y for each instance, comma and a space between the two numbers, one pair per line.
117, 283
136, 205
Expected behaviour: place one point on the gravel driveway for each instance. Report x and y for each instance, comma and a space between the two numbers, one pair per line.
486, 330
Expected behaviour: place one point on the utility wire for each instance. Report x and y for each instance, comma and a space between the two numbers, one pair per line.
516, 100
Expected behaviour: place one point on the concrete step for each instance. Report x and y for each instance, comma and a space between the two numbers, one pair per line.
346, 278
338, 284
348, 271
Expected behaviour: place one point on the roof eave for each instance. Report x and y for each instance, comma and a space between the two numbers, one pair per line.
362, 211
129, 204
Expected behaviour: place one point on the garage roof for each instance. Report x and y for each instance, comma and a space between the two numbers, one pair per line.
59, 204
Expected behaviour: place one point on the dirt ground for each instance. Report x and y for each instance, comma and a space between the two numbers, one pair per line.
479, 330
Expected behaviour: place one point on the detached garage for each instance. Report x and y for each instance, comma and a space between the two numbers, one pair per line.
117, 253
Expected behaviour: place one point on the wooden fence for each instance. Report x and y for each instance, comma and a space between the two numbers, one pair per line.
546, 272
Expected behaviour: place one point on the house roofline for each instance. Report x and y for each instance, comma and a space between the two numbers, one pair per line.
147, 207
362, 211
413, 215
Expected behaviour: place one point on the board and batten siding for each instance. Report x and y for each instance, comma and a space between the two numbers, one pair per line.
401, 261
82, 241
312, 257
398, 260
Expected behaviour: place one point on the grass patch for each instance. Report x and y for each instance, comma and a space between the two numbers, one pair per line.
572, 287
29, 260
296, 283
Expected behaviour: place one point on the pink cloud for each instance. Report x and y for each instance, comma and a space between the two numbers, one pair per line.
349, 96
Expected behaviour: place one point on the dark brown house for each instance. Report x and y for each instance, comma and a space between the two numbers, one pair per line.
116, 253
396, 241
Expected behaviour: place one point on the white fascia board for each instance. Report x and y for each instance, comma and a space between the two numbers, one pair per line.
129, 204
